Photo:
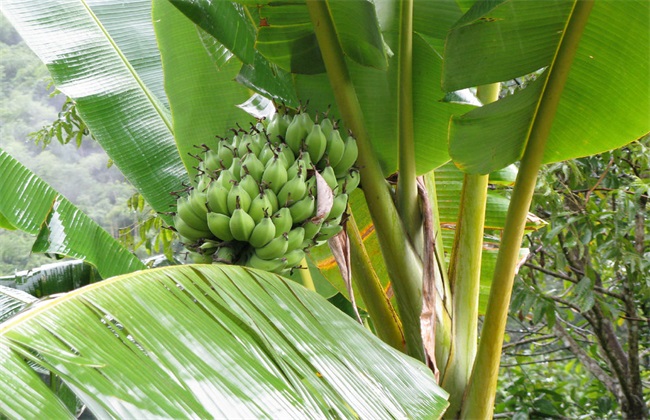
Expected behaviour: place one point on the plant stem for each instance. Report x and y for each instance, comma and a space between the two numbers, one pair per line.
407, 191
465, 277
385, 320
305, 276
479, 400
404, 266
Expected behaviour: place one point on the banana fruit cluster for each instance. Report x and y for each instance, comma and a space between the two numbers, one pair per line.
265, 196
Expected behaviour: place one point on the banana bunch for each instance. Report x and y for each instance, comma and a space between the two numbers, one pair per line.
265, 196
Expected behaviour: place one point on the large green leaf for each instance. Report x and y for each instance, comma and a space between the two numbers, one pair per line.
29, 204
605, 102
48, 279
202, 97
120, 110
12, 301
209, 341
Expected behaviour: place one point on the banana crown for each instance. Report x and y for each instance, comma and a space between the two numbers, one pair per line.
263, 197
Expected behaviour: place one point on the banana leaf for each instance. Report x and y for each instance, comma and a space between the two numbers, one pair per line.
207, 341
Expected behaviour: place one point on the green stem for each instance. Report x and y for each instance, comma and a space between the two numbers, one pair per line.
479, 400
465, 276
404, 266
385, 320
305, 276
407, 191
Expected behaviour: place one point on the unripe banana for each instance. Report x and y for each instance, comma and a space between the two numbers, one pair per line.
327, 231
260, 206
273, 199
241, 225
275, 265
218, 198
209, 247
275, 174
225, 153
189, 232
350, 182
188, 216
294, 258
219, 225
274, 249
235, 168
197, 201
282, 221
225, 254
303, 209
299, 166
327, 127
286, 153
349, 157
335, 148
294, 190
297, 131
201, 258
247, 145
311, 229
338, 206
263, 233
211, 162
328, 174
238, 197
226, 179
267, 153
277, 127
296, 238
250, 185
202, 186
316, 143
253, 166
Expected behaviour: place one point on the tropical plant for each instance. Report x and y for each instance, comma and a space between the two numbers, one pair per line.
406, 78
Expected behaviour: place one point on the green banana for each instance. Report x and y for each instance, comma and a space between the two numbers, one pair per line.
252, 165
218, 198
349, 157
235, 168
303, 209
275, 174
296, 238
294, 258
226, 179
189, 232
294, 190
297, 131
225, 254
184, 211
330, 178
338, 206
327, 127
311, 229
219, 225
327, 231
201, 258
211, 161
241, 225
274, 249
238, 197
316, 143
198, 202
250, 185
277, 127
285, 152
273, 199
267, 153
263, 233
335, 148
350, 182
275, 265
282, 221
225, 153
260, 206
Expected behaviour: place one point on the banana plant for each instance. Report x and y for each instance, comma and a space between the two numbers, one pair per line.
416, 82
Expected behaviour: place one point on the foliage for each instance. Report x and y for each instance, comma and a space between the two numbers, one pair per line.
588, 275
394, 71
